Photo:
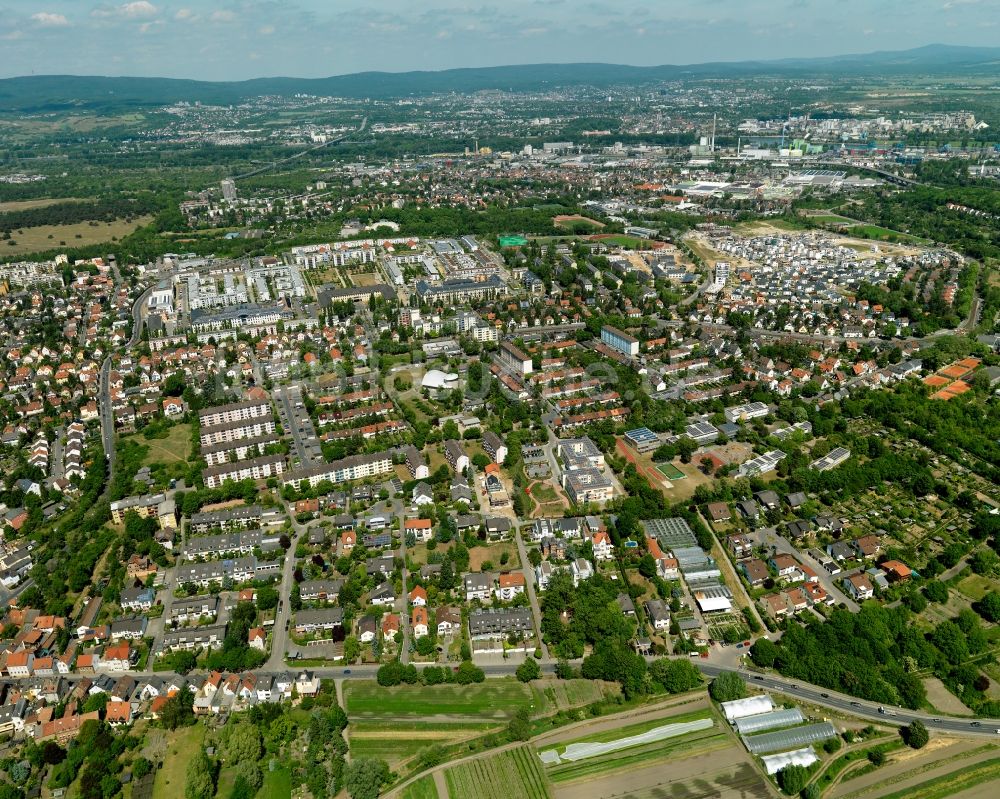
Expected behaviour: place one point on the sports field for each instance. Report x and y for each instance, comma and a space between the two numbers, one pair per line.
670, 471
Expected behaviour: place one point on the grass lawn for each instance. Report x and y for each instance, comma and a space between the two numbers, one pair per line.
516, 772
975, 586
182, 745
175, 448
495, 699
565, 694
544, 492
79, 234
884, 234
424, 788
631, 242
277, 785
492, 553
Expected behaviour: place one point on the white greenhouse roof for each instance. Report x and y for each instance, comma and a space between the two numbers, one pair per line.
800, 757
751, 706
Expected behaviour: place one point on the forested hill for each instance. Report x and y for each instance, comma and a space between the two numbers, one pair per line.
55, 92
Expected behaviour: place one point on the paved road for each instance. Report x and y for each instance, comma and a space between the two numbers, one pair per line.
770, 537
855, 707
283, 615
404, 616
529, 587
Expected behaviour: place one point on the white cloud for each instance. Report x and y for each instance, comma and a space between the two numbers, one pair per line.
139, 8
266, 30
49, 20
184, 14
13, 36
222, 16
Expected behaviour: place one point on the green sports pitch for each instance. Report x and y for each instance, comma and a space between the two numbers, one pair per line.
670, 471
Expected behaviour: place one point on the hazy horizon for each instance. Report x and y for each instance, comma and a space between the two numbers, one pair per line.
246, 39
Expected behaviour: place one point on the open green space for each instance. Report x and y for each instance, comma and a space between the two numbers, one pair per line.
175, 448
182, 746
495, 699
975, 586
670, 471
631, 242
277, 784
424, 788
515, 772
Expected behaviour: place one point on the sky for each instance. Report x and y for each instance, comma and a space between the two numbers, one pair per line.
240, 39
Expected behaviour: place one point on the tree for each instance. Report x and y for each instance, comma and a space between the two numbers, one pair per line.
529, 670
984, 561
365, 776
676, 676
244, 743
764, 652
792, 779
178, 710
989, 606
936, 591
199, 783
519, 727
686, 448
727, 687
468, 673
534, 557
267, 597
352, 648
141, 767
876, 757
250, 771
949, 638
916, 734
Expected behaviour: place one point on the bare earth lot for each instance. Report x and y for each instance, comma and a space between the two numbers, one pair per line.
943, 699
725, 774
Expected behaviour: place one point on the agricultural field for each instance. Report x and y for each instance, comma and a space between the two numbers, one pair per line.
725, 773
637, 745
80, 234
514, 772
945, 769
495, 700
398, 742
